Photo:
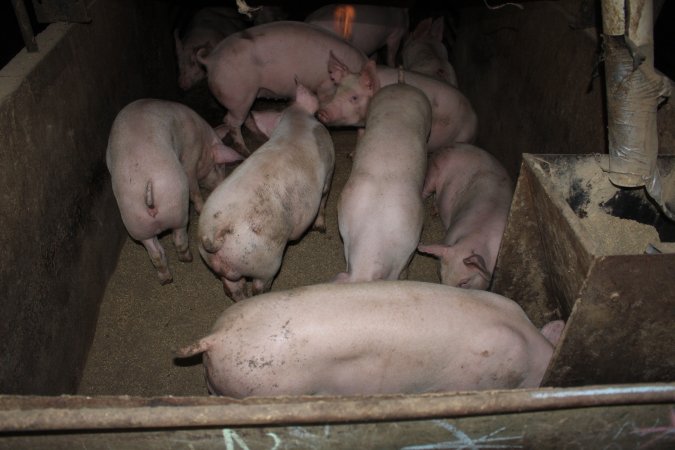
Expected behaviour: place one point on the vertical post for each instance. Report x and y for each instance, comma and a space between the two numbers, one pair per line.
24, 25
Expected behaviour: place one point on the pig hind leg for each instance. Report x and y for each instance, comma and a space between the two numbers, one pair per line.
180, 241
158, 258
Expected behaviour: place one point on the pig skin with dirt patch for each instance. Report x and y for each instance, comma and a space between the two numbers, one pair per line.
272, 197
378, 337
159, 152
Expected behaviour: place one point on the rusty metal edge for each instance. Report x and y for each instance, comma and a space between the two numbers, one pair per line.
32, 414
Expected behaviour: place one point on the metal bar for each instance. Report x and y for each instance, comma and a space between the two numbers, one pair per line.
24, 25
79, 413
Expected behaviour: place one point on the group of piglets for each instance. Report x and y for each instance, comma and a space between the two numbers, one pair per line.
365, 331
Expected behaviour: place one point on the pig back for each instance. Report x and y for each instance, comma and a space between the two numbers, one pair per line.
388, 336
272, 55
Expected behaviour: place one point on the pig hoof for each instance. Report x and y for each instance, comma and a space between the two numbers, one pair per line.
185, 256
321, 228
164, 281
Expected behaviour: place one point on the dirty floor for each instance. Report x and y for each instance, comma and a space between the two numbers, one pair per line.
141, 322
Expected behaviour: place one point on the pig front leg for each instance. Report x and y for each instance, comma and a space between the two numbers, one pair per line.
158, 259
180, 242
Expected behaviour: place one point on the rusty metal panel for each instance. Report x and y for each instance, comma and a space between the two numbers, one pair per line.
518, 274
50, 11
622, 329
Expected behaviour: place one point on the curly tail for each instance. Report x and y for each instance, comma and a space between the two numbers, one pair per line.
200, 346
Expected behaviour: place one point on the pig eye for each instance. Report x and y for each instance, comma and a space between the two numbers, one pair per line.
354, 98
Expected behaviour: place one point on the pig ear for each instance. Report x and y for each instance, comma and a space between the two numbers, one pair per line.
479, 263
369, 76
336, 68
437, 250
222, 154
266, 121
422, 28
306, 98
437, 29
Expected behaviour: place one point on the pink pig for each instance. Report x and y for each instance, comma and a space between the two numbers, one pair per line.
158, 154
380, 210
205, 30
272, 197
453, 117
265, 60
473, 198
376, 337
424, 52
367, 27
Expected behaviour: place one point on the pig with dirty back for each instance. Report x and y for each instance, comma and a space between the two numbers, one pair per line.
265, 61
424, 52
368, 27
453, 119
376, 337
380, 210
159, 152
206, 28
473, 198
274, 196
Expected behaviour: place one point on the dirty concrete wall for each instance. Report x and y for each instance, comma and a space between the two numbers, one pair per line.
60, 230
535, 79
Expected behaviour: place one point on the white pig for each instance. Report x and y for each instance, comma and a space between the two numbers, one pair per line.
265, 60
377, 337
271, 198
367, 27
380, 210
424, 52
158, 153
453, 117
473, 198
206, 28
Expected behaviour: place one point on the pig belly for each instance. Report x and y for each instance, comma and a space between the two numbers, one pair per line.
372, 338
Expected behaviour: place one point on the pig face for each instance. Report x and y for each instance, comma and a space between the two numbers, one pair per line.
467, 272
349, 104
189, 69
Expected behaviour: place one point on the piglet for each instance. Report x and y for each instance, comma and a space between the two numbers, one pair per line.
377, 337
158, 154
453, 117
473, 198
203, 32
380, 210
269, 199
424, 52
265, 60
367, 27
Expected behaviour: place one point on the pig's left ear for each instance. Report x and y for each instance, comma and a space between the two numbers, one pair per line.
478, 262
306, 98
336, 68
266, 121
369, 76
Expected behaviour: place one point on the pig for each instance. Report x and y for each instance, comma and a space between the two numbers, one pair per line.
270, 198
376, 337
204, 31
473, 199
453, 117
368, 27
265, 60
380, 209
424, 52
158, 154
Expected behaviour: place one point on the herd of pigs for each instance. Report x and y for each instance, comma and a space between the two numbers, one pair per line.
368, 330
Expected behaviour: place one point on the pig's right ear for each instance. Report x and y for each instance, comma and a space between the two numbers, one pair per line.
266, 121
222, 154
336, 68
422, 28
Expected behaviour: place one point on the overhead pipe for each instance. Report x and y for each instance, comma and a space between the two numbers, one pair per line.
634, 91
